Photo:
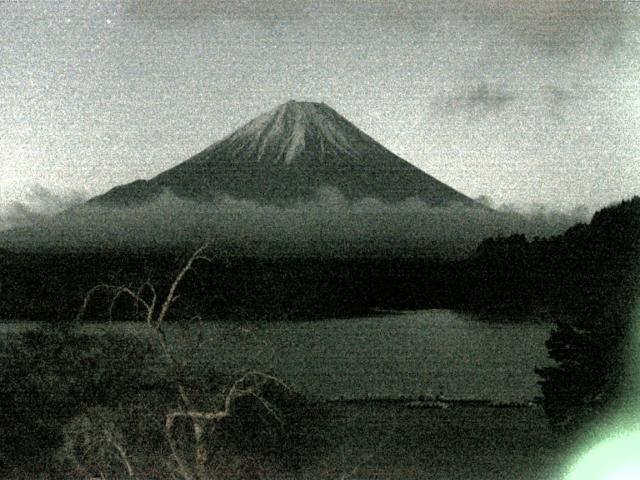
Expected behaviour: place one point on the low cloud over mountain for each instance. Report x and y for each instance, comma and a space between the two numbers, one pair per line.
297, 180
37, 203
329, 224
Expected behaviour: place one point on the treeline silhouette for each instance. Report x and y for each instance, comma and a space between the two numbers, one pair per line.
588, 264
595, 347
51, 286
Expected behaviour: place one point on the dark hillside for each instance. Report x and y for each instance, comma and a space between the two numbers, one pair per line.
588, 264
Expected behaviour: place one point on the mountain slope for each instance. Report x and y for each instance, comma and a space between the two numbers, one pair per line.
287, 155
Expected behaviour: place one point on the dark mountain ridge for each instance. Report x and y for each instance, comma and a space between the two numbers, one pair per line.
287, 155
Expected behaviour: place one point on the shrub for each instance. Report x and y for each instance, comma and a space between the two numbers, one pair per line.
50, 374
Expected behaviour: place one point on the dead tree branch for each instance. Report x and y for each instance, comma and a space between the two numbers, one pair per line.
250, 384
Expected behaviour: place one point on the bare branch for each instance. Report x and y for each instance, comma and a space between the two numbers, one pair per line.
167, 350
86, 300
249, 384
235, 392
113, 302
119, 290
147, 285
197, 255
183, 471
272, 411
219, 415
266, 377
121, 452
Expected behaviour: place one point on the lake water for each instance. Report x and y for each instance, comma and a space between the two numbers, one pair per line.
410, 354
407, 354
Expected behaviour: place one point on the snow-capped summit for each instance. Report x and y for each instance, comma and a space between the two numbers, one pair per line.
291, 128
287, 155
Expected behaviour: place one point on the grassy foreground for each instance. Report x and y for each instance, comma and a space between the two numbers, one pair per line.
378, 440
374, 440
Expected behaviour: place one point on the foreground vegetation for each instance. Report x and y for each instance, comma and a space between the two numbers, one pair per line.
117, 406
380, 440
80, 405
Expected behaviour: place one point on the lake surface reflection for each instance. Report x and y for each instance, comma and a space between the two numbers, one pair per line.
428, 352
414, 353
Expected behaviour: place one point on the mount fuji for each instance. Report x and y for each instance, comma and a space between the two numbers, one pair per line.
286, 155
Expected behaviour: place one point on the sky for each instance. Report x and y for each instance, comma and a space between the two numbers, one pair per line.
525, 102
